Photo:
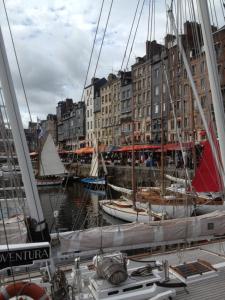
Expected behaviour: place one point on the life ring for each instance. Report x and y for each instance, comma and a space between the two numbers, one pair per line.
23, 289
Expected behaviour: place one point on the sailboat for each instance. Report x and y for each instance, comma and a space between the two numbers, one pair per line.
51, 170
95, 180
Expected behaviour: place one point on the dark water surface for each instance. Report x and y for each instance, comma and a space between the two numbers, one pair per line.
77, 208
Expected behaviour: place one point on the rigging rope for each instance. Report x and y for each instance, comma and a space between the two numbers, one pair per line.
131, 29
17, 61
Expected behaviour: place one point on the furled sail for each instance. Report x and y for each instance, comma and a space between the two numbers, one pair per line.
121, 189
207, 178
175, 179
13, 231
139, 234
50, 163
94, 165
103, 165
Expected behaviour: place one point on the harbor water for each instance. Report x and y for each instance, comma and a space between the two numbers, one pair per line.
73, 207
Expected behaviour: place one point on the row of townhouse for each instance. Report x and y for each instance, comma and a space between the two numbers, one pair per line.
155, 94
155, 97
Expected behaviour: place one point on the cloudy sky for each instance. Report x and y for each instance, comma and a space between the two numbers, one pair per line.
53, 39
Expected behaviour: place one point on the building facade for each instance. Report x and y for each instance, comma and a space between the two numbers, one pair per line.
90, 97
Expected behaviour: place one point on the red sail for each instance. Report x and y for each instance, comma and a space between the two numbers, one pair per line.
207, 178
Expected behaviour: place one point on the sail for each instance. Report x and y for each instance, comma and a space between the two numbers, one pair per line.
103, 165
207, 178
13, 230
139, 234
121, 189
175, 179
94, 165
50, 163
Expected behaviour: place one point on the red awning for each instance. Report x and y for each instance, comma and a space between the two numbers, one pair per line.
85, 150
138, 147
177, 146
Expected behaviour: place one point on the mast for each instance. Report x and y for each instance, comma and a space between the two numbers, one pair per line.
162, 134
196, 96
30, 187
133, 158
214, 81
193, 129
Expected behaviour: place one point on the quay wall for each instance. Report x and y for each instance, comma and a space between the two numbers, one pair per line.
121, 175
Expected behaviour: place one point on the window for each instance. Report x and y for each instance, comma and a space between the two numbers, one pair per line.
172, 124
185, 122
139, 84
148, 110
185, 89
156, 90
128, 93
203, 101
139, 99
156, 73
203, 84
156, 108
143, 83
179, 124
123, 95
139, 112
210, 226
202, 66
179, 90
164, 106
193, 68
164, 88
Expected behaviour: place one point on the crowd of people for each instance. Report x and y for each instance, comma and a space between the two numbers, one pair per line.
177, 159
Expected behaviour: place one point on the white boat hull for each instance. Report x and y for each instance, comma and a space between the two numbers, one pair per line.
124, 214
49, 182
174, 211
205, 209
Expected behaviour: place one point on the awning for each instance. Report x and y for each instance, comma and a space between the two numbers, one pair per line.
138, 147
112, 148
177, 146
85, 150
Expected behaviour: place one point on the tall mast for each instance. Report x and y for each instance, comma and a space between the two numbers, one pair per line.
197, 98
192, 117
214, 81
133, 157
162, 131
30, 187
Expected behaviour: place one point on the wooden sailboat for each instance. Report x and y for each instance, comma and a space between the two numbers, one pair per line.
51, 170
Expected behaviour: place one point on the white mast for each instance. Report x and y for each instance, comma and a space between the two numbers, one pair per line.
195, 93
214, 81
30, 187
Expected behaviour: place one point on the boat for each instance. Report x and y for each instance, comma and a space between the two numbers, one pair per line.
95, 181
51, 170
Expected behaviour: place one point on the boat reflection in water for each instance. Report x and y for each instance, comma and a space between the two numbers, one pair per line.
77, 208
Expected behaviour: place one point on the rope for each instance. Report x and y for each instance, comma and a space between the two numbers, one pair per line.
17, 61
92, 49
131, 29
